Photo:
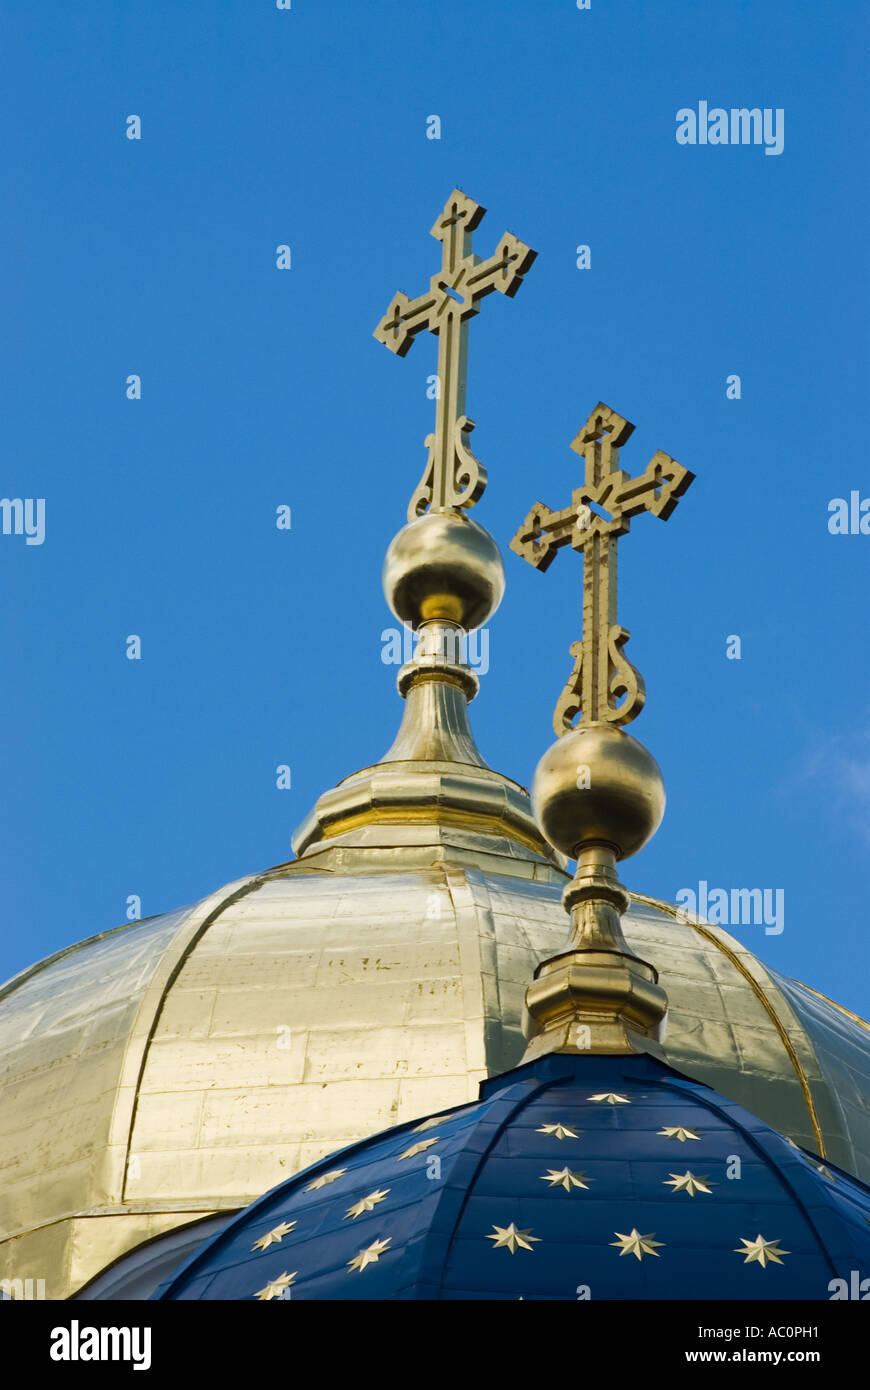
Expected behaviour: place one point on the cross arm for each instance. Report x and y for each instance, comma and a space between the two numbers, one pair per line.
503, 271
656, 490
542, 534
404, 319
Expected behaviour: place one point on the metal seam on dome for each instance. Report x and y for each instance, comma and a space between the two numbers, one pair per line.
204, 1208
515, 1098
767, 1006
780, 1028
39, 966
467, 914
228, 900
841, 1008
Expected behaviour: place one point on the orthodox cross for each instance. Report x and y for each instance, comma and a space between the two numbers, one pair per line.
603, 684
453, 476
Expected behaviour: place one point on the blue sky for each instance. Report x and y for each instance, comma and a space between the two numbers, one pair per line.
260, 387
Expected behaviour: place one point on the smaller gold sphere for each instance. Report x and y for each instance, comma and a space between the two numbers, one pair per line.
598, 783
443, 565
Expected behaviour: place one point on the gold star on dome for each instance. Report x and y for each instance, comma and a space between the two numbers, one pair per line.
636, 1244
825, 1172
366, 1204
275, 1289
678, 1132
611, 1098
511, 1239
326, 1178
273, 1237
418, 1148
687, 1182
430, 1123
565, 1178
369, 1256
761, 1250
559, 1131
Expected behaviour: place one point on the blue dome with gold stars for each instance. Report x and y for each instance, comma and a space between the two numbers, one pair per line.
573, 1177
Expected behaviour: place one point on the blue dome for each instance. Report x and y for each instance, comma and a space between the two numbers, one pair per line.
572, 1177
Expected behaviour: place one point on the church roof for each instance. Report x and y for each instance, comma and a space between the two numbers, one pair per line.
574, 1177
141, 1077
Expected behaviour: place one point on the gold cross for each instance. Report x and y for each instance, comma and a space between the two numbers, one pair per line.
453, 476
603, 684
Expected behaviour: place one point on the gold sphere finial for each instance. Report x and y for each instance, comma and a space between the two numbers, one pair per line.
597, 784
598, 796
443, 565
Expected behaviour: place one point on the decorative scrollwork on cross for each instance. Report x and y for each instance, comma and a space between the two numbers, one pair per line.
603, 684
